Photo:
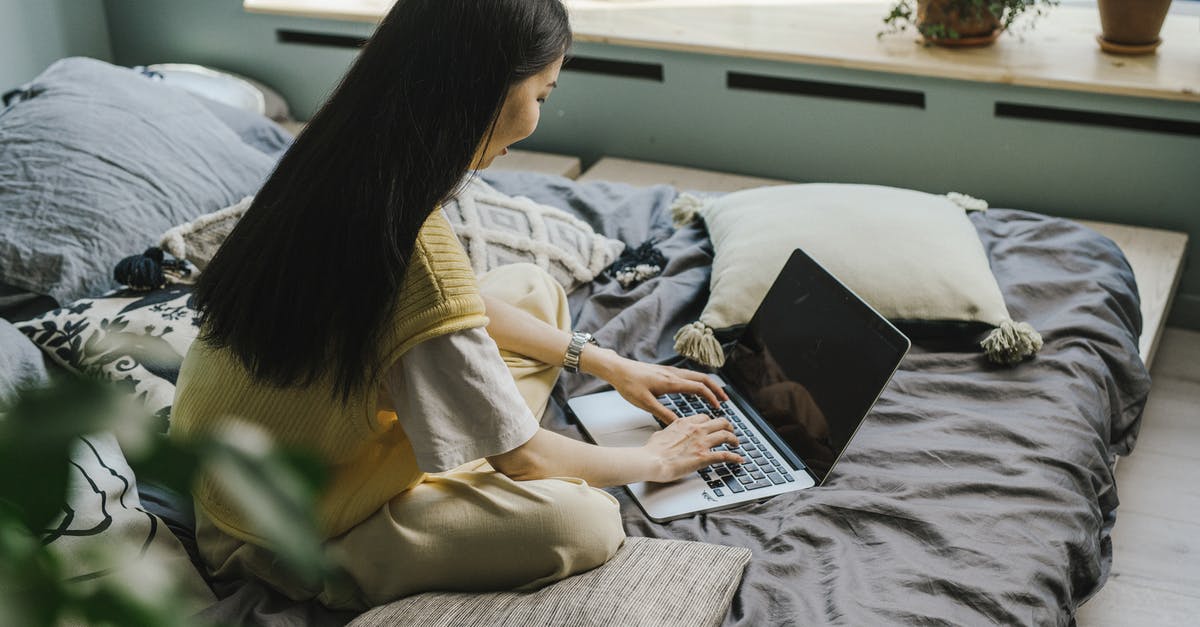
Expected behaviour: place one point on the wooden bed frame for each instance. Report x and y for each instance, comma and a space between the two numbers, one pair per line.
1156, 256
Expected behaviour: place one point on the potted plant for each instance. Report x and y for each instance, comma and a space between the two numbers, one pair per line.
960, 23
1131, 26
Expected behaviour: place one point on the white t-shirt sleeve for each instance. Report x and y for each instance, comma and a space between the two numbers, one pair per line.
457, 401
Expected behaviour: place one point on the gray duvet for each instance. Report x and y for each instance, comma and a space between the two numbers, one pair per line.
973, 494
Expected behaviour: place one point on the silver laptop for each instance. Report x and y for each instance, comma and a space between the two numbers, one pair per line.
801, 377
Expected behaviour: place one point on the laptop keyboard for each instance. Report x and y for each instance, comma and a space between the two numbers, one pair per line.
762, 468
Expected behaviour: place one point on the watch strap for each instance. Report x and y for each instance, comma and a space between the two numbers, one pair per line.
575, 350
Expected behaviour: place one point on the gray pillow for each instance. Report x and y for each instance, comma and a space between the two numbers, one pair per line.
257, 131
664, 583
97, 161
21, 364
19, 304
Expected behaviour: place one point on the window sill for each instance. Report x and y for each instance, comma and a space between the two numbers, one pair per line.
1059, 52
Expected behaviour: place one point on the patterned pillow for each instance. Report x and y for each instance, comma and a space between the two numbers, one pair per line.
136, 339
497, 229
106, 533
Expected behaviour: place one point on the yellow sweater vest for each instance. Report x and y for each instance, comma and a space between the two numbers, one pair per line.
368, 454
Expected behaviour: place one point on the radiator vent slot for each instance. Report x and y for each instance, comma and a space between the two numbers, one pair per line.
331, 40
1093, 118
823, 89
613, 67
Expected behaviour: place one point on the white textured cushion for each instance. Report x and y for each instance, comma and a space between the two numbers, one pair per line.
197, 241
665, 583
913, 256
497, 230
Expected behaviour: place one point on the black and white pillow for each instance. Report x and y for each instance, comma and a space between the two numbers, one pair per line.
104, 532
135, 339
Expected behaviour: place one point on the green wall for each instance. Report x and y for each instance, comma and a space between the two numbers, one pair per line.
221, 34
35, 33
954, 144
691, 118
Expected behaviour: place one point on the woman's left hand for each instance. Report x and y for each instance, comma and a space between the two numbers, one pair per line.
642, 384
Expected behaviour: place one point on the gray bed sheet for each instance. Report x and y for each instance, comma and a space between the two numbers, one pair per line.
973, 494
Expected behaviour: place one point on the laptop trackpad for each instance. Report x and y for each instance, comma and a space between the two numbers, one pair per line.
629, 437
613, 421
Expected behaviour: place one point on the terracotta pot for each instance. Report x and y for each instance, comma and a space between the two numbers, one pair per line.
973, 29
1132, 22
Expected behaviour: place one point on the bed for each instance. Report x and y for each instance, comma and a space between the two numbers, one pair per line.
973, 494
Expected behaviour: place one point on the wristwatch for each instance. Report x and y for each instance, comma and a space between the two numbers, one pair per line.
575, 348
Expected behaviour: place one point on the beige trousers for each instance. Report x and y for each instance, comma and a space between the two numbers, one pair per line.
468, 529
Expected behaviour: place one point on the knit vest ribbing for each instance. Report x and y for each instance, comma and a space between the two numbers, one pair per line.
368, 454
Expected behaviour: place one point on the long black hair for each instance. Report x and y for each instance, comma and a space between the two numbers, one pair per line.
305, 283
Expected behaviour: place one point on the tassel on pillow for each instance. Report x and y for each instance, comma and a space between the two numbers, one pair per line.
697, 342
1011, 342
192, 245
685, 208
968, 203
638, 264
150, 270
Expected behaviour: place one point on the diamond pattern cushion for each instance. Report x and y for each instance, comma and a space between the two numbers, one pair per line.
497, 230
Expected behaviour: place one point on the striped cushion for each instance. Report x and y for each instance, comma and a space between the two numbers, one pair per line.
640, 585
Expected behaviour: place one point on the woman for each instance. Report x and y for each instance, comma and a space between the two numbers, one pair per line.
341, 316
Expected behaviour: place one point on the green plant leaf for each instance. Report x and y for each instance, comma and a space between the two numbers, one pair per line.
36, 436
276, 488
276, 491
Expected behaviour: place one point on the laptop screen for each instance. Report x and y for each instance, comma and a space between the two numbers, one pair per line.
813, 360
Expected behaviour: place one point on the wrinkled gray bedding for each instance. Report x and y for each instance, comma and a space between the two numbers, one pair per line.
973, 494
97, 161
21, 364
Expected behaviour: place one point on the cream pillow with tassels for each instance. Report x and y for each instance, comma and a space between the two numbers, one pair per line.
913, 256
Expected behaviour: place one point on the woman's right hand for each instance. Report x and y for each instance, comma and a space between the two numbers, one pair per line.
685, 446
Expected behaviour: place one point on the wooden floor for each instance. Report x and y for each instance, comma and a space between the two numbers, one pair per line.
1156, 543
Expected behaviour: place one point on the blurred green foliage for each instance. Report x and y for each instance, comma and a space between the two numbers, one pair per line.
37, 434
